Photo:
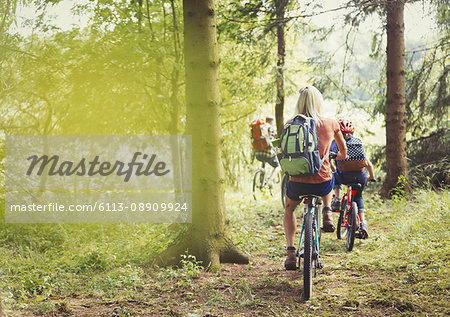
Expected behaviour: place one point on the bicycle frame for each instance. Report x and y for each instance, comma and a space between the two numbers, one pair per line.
264, 171
309, 204
348, 197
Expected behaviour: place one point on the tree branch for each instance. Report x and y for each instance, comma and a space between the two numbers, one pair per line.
287, 19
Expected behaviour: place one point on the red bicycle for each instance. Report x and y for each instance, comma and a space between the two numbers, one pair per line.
349, 222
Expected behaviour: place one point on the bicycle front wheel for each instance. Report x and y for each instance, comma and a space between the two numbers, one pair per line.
318, 222
341, 231
351, 228
308, 256
258, 182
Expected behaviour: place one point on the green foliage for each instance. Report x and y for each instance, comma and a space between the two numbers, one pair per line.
183, 276
427, 93
247, 44
244, 295
431, 175
34, 236
93, 262
428, 96
415, 243
106, 262
113, 77
190, 267
428, 160
398, 192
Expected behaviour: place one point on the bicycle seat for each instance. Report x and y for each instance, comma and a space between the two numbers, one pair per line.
355, 186
309, 196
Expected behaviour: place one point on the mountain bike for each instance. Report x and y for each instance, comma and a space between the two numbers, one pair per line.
349, 221
310, 237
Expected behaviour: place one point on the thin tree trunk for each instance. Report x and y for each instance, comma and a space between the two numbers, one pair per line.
176, 146
280, 6
175, 76
207, 237
396, 163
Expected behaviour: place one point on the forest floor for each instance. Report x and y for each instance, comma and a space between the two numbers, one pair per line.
401, 270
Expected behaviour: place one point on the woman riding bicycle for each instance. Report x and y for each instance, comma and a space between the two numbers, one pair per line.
310, 103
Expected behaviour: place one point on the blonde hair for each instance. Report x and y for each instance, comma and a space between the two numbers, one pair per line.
310, 103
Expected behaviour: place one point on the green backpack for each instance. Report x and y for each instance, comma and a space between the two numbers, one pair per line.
299, 144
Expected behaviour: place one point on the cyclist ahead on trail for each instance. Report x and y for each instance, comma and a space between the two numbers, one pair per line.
263, 133
352, 170
310, 104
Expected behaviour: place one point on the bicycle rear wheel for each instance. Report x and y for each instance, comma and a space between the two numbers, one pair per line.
283, 188
351, 228
308, 256
341, 230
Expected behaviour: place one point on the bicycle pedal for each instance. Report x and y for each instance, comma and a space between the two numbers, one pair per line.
319, 265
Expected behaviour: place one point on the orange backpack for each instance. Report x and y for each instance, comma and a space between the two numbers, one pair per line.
260, 134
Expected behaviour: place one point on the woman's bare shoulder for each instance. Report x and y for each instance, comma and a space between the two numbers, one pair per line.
330, 123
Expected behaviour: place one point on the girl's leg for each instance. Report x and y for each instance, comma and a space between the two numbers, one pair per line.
360, 202
336, 202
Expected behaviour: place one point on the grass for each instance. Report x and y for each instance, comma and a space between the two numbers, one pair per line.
402, 269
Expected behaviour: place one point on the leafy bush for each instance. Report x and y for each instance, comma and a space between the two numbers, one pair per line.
435, 174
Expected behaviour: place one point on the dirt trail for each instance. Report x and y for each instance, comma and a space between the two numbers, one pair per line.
264, 288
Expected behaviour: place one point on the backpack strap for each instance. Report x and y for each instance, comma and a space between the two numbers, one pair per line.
324, 157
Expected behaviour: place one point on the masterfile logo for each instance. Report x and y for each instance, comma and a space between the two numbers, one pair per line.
98, 178
93, 167
97, 163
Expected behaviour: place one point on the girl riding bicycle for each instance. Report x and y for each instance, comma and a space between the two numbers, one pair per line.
352, 170
310, 103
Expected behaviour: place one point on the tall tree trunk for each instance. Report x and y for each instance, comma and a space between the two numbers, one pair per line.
207, 237
396, 163
174, 127
280, 6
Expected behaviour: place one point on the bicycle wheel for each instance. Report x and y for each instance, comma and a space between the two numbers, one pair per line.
258, 182
351, 228
316, 248
283, 188
308, 256
341, 231
318, 218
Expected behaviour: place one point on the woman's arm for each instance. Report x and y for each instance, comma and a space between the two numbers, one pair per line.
333, 167
369, 168
339, 138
